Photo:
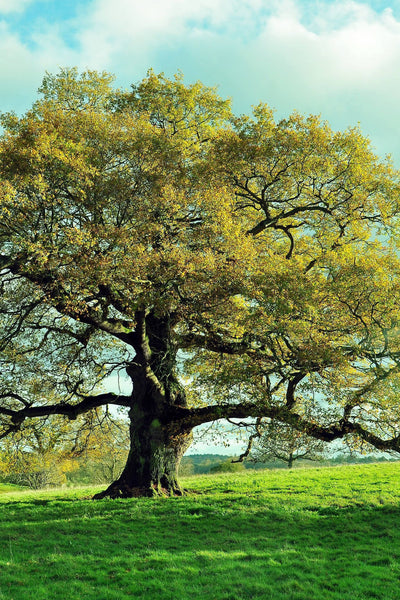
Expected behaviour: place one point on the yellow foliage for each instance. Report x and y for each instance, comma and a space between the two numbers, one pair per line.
268, 249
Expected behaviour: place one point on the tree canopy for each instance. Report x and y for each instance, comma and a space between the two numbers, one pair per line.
230, 267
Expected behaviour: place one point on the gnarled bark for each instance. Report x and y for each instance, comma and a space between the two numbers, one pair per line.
158, 438
153, 461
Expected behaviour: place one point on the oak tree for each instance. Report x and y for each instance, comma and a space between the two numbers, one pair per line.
231, 267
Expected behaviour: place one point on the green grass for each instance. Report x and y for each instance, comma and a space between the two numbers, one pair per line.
328, 533
9, 487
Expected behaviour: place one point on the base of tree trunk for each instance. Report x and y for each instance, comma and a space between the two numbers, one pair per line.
121, 490
152, 465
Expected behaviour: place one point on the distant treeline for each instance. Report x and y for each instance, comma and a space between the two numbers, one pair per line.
196, 464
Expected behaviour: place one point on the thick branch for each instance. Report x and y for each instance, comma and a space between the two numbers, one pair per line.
214, 343
273, 222
189, 418
291, 388
72, 411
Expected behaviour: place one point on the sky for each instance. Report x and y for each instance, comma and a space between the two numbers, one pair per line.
339, 59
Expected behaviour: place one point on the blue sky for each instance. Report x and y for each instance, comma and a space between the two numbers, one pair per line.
339, 59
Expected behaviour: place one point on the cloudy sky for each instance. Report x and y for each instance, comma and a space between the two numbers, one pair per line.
340, 59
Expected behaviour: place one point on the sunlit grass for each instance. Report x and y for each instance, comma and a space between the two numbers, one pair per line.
328, 533
6, 488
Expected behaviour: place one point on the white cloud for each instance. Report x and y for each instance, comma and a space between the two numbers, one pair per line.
345, 44
22, 67
133, 30
343, 65
9, 6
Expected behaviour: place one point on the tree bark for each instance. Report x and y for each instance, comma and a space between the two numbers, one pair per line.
290, 461
161, 423
158, 437
153, 460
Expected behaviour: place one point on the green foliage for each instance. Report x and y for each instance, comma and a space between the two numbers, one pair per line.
201, 463
39, 455
102, 454
322, 533
76, 91
55, 452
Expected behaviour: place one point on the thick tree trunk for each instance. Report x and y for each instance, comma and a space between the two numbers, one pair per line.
158, 439
153, 461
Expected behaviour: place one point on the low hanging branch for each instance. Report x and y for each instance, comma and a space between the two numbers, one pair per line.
72, 411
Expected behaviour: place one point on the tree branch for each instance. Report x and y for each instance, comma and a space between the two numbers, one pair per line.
257, 434
51, 286
189, 418
72, 411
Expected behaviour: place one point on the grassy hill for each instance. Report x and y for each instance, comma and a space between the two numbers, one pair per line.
330, 533
5, 488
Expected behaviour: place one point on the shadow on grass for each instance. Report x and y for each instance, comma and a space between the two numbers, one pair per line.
230, 548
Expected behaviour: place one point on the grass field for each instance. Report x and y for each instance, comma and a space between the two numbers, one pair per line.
313, 534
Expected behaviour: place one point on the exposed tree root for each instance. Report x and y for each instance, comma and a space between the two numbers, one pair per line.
120, 490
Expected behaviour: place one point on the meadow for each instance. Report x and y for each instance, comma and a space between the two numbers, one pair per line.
305, 534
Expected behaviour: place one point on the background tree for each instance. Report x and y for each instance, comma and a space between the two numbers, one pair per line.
227, 466
38, 455
100, 451
152, 233
287, 444
52, 451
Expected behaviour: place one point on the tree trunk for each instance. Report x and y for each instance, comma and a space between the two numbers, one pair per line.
157, 439
290, 461
153, 461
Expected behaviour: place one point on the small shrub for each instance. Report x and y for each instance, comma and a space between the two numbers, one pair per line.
227, 467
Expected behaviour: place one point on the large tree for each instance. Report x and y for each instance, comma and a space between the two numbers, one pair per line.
230, 267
